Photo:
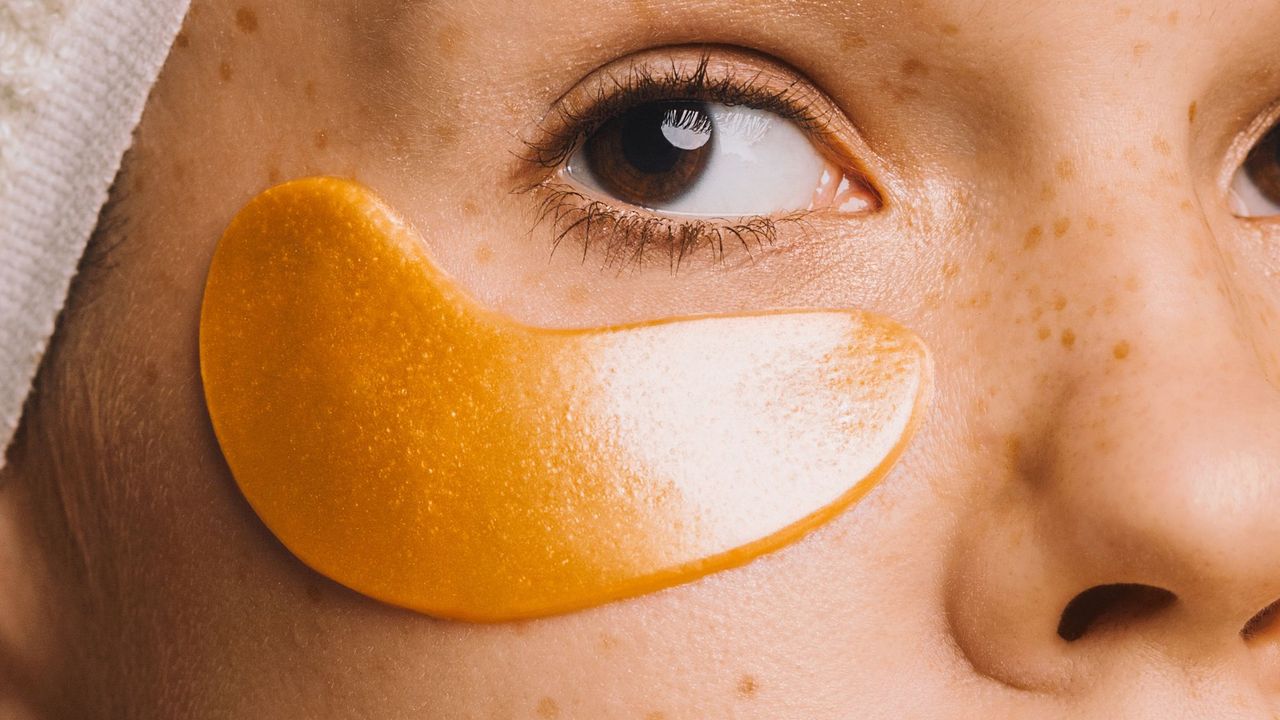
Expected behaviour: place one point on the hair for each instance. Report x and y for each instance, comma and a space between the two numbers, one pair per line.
54, 460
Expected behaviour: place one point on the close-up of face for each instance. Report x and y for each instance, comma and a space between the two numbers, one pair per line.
956, 321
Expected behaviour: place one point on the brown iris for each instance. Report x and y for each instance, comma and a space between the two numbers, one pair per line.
1263, 165
652, 153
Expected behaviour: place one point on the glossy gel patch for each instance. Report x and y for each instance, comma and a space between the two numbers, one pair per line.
420, 449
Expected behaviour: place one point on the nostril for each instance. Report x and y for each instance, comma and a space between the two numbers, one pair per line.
1261, 624
1109, 604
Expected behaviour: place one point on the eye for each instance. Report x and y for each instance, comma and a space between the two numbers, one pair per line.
708, 159
1255, 189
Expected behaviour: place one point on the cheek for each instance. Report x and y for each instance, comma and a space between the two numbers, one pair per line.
424, 451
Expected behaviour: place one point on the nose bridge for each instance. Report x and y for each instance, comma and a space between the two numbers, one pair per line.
1162, 464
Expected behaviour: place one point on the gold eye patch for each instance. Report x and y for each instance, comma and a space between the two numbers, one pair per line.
420, 449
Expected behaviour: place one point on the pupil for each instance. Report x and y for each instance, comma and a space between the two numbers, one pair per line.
656, 136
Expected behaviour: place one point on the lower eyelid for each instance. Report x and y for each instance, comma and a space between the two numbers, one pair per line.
631, 237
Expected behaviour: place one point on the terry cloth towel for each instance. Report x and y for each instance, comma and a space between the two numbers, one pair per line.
74, 76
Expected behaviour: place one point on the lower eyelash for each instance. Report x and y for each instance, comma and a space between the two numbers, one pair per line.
626, 237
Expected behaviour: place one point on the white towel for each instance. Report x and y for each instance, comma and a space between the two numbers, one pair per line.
74, 76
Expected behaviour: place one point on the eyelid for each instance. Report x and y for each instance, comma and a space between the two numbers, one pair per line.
725, 74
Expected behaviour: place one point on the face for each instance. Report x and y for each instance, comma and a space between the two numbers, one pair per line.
1073, 207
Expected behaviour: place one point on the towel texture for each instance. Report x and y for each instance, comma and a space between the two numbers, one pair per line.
74, 76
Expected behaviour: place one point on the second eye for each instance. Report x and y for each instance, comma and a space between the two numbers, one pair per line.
691, 158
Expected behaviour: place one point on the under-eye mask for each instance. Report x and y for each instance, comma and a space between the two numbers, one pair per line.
421, 449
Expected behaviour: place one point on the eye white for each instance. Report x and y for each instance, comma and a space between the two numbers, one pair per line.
1247, 199
759, 164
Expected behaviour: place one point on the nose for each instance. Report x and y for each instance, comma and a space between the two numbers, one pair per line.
1135, 517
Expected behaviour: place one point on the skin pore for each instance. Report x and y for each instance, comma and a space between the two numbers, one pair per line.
1055, 224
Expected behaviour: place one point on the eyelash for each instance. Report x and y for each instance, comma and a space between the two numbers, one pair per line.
628, 235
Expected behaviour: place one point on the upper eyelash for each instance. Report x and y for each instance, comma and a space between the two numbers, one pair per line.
564, 130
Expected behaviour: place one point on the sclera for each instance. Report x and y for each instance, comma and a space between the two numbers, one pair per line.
420, 449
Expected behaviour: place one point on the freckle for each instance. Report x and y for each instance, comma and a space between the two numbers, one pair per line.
449, 40
656, 715
1160, 145
852, 41
484, 254
1121, 350
1037, 313
314, 594
980, 301
748, 687
1013, 451
138, 183
899, 93
1131, 154
247, 20
1066, 169
1173, 18
321, 140
1131, 283
1140, 49
1032, 238
224, 71
309, 90
950, 29
914, 67
1091, 223
1047, 192
608, 642
1124, 13
445, 133
1186, 206
950, 269
1044, 332
1191, 112
1109, 304
1060, 226
182, 41
179, 171
1060, 303
547, 708
1068, 338
469, 208
273, 174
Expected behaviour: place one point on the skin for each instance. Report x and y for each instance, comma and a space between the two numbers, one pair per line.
1056, 228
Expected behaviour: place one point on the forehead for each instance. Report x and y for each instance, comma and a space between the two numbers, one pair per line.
1033, 39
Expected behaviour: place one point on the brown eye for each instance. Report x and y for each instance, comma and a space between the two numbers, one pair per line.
1256, 186
652, 153
711, 160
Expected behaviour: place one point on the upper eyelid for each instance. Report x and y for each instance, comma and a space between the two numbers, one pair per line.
676, 66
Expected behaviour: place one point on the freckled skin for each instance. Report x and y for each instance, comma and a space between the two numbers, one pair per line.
247, 20
1146, 448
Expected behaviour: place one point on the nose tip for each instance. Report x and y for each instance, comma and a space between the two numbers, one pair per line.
1142, 515
1173, 485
